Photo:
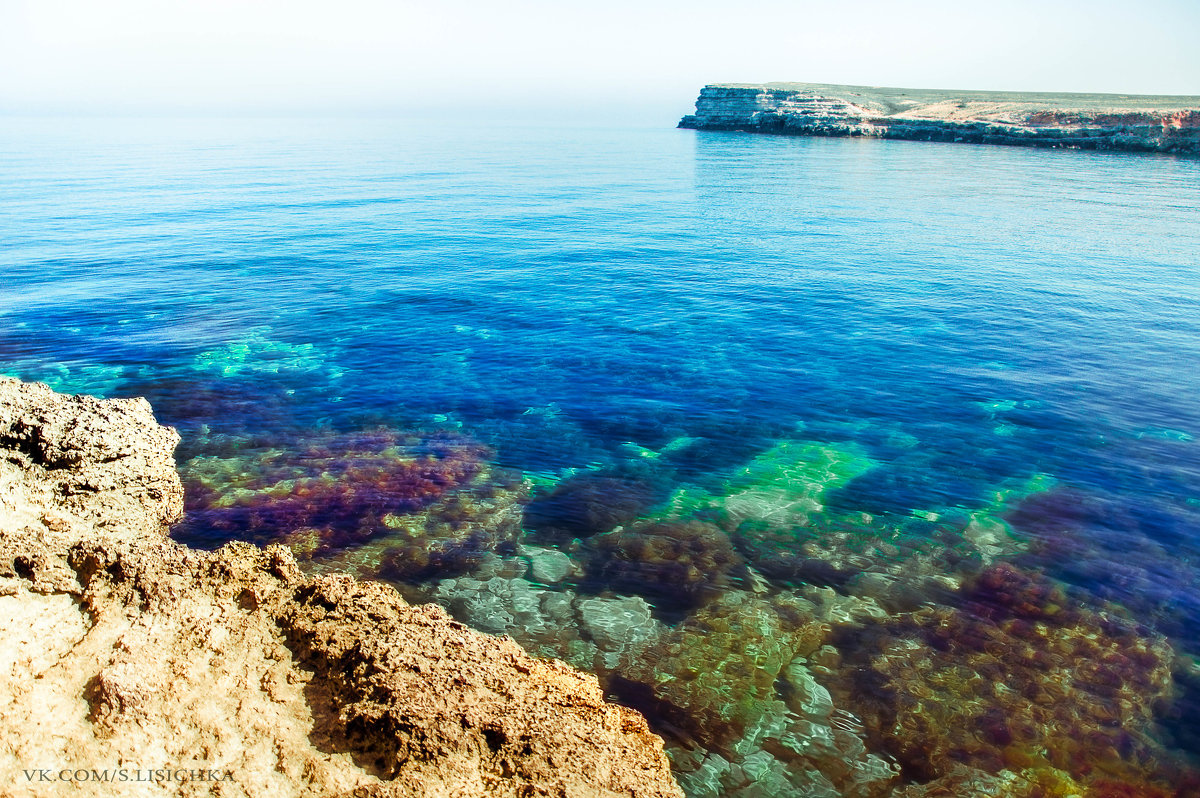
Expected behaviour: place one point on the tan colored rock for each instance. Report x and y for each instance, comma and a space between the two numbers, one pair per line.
76, 468
133, 665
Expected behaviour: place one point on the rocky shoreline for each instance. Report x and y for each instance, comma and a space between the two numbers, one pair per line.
1165, 124
134, 664
779, 646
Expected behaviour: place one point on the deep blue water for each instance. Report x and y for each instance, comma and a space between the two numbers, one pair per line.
970, 316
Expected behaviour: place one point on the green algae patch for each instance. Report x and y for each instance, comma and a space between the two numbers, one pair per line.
786, 484
72, 377
258, 354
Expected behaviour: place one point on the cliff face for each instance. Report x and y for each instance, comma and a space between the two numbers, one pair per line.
1083, 121
134, 665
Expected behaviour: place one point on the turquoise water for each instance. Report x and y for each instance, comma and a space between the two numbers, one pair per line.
777, 389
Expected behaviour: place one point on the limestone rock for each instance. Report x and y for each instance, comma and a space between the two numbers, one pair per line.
76, 468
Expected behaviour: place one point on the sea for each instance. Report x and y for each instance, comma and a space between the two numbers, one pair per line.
859, 466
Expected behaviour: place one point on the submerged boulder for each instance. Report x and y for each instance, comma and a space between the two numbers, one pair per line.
672, 562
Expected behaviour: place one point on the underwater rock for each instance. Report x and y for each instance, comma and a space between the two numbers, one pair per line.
701, 773
837, 610
598, 634
788, 753
453, 534
781, 487
1043, 782
620, 627
775, 509
900, 561
1123, 550
496, 606
381, 501
545, 622
220, 417
830, 548
899, 564
548, 566
675, 562
714, 672
807, 697
822, 751
460, 532
967, 782
1019, 677
589, 503
1180, 721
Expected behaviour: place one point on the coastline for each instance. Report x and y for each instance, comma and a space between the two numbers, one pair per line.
822, 382
1162, 124
135, 659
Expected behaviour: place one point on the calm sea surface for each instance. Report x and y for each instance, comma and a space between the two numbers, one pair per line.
719, 372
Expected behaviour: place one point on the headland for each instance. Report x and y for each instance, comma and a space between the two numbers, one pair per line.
1167, 124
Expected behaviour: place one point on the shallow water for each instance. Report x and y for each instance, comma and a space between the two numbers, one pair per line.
835, 393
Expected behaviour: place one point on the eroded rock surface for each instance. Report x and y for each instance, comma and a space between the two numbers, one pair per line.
129, 659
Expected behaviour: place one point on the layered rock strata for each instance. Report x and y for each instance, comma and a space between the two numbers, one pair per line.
1082, 121
134, 665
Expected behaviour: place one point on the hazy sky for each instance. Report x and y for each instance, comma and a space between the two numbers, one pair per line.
284, 55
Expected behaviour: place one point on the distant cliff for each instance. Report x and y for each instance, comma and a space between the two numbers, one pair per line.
1082, 121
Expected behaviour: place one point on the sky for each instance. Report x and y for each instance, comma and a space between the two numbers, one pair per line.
497, 56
